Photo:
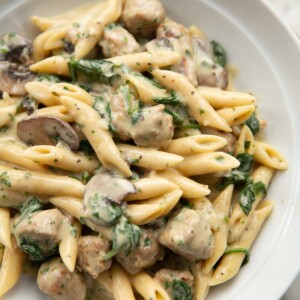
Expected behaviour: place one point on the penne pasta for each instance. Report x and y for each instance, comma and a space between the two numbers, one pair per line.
62, 158
189, 187
196, 144
269, 156
149, 158
231, 263
196, 105
206, 163
11, 269
237, 115
95, 129
5, 236
219, 98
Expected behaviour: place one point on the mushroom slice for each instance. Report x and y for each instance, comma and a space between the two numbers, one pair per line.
103, 196
16, 48
46, 130
13, 78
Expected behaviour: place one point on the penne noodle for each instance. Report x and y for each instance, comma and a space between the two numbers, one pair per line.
219, 98
70, 233
149, 158
39, 183
189, 187
144, 188
121, 285
144, 60
149, 210
196, 105
231, 263
11, 269
57, 65
13, 152
58, 111
245, 143
237, 115
62, 158
148, 287
238, 219
95, 130
5, 237
196, 144
206, 163
269, 156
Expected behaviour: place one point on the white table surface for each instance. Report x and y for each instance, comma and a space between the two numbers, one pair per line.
289, 10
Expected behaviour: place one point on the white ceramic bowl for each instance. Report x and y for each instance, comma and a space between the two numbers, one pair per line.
268, 56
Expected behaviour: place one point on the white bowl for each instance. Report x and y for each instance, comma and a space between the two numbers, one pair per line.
267, 53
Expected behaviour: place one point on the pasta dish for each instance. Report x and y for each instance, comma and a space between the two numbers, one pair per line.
130, 167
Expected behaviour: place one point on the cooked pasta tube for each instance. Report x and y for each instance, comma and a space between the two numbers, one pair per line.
219, 98
269, 156
145, 88
143, 60
149, 158
7, 114
38, 46
74, 207
196, 105
5, 237
238, 219
11, 270
189, 187
39, 183
144, 188
201, 281
62, 158
55, 41
148, 287
13, 152
57, 65
196, 144
237, 115
12, 198
206, 163
70, 233
58, 111
245, 143
222, 206
49, 95
149, 210
103, 285
231, 262
121, 284
105, 13
1, 253
95, 130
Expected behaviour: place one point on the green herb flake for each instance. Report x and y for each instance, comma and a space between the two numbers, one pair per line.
4, 179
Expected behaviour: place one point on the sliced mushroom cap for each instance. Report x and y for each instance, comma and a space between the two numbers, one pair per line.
113, 188
16, 48
102, 198
46, 130
13, 78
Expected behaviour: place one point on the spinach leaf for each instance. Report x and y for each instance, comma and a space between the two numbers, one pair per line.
105, 212
134, 107
33, 205
101, 70
181, 290
219, 53
48, 77
240, 250
111, 128
240, 174
181, 118
247, 195
125, 237
172, 99
253, 124
35, 252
